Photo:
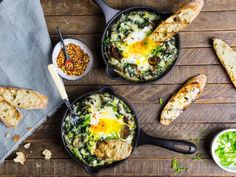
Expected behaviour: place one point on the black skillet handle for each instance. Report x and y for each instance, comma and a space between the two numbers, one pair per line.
179, 146
107, 10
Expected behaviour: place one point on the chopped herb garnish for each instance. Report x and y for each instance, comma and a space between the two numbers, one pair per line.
175, 165
226, 149
161, 101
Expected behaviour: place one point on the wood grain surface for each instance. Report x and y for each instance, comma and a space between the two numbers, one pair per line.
214, 111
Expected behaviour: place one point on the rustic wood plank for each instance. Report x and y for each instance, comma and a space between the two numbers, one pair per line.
213, 93
188, 39
204, 39
87, 7
206, 21
134, 167
76, 24
197, 56
72, 7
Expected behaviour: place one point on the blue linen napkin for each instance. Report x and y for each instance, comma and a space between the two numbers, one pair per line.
25, 52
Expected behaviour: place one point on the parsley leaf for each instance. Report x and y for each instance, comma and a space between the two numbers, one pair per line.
161, 101
175, 165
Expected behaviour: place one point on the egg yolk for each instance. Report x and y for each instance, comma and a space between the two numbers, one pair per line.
142, 48
106, 126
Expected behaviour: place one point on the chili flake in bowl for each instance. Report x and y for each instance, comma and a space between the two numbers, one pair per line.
81, 59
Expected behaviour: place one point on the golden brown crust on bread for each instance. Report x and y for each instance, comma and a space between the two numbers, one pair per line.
180, 20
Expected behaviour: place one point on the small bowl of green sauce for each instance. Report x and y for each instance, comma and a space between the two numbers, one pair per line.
223, 149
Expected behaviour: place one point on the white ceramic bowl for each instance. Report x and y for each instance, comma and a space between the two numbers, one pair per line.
56, 51
214, 145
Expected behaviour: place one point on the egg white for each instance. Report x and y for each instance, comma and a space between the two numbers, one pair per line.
138, 35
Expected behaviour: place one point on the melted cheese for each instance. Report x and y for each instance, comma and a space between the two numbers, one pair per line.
138, 35
139, 60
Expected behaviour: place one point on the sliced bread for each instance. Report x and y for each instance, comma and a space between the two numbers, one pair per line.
9, 115
182, 99
180, 20
227, 57
23, 98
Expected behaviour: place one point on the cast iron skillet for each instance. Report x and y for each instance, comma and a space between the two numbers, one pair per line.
141, 138
112, 16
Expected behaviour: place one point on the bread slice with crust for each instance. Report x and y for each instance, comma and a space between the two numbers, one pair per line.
23, 98
227, 57
180, 20
181, 100
9, 115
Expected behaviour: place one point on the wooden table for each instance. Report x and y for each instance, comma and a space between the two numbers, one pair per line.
214, 111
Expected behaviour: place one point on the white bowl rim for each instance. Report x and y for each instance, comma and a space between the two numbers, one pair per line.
83, 46
213, 153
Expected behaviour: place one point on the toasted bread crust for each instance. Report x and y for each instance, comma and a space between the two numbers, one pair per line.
229, 63
180, 20
23, 98
198, 82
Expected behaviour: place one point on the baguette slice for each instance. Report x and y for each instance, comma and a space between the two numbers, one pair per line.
180, 20
227, 57
181, 100
9, 115
23, 98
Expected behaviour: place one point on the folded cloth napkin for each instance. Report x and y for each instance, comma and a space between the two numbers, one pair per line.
25, 52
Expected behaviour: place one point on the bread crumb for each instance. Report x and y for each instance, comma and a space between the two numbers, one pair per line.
37, 165
29, 128
20, 158
7, 135
47, 154
27, 145
16, 138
